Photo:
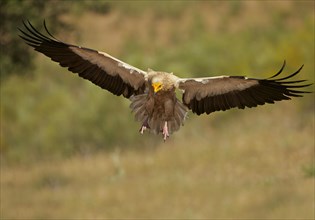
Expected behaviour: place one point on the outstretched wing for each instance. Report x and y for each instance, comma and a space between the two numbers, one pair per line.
206, 95
100, 68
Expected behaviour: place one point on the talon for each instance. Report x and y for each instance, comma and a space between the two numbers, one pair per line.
142, 129
165, 131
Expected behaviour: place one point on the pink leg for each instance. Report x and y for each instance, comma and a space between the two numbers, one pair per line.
142, 129
165, 131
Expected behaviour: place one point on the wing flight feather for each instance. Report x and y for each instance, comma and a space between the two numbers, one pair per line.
210, 94
98, 67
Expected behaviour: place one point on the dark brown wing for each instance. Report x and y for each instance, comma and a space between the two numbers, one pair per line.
100, 68
206, 95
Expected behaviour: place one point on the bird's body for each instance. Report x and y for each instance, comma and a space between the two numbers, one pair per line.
158, 109
153, 93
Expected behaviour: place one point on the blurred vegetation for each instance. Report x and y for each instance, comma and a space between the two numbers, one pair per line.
45, 103
12, 13
61, 134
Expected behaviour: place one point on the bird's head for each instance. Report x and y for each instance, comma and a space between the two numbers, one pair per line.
157, 81
161, 81
157, 86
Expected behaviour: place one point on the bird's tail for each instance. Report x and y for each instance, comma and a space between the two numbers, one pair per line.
155, 122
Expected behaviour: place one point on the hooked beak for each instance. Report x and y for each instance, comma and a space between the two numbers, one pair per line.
156, 87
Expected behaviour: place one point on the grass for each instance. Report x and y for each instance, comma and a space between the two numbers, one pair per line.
225, 171
71, 150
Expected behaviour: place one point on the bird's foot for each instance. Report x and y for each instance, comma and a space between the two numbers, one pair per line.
165, 131
142, 129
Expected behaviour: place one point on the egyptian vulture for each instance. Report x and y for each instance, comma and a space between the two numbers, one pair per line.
152, 93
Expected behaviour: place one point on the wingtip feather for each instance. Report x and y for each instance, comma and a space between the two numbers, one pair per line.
280, 71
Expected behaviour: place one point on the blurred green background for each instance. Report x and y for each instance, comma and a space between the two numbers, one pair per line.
72, 150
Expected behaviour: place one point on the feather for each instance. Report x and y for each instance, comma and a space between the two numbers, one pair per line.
159, 110
87, 62
209, 94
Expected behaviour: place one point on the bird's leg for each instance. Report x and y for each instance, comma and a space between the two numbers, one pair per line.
165, 131
144, 127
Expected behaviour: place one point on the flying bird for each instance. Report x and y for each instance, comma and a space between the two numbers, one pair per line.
153, 93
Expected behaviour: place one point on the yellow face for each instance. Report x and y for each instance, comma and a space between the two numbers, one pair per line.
157, 86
